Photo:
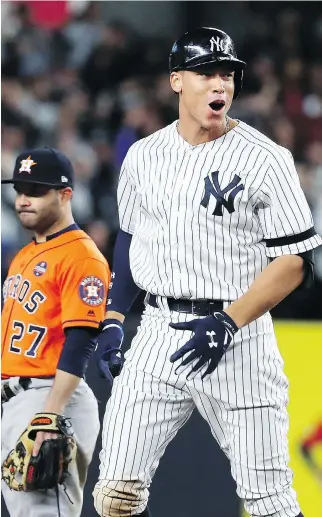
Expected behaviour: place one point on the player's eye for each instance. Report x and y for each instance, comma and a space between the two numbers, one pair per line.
40, 190
22, 191
32, 190
205, 73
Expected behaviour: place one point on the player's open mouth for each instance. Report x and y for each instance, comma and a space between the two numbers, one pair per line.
217, 105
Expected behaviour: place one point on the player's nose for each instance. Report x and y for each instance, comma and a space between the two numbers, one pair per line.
217, 84
23, 200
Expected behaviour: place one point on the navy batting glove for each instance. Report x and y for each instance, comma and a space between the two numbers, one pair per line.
212, 336
109, 355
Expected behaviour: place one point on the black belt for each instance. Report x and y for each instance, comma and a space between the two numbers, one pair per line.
195, 307
6, 391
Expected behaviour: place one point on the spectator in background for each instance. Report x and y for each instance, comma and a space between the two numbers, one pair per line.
84, 162
312, 103
12, 139
99, 231
164, 99
112, 60
292, 87
283, 132
83, 34
140, 119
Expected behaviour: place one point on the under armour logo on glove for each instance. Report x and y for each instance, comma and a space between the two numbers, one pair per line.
212, 336
212, 342
108, 352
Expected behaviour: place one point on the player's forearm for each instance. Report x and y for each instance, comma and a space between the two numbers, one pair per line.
71, 367
64, 386
276, 282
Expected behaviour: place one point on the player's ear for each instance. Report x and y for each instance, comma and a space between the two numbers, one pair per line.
66, 193
176, 81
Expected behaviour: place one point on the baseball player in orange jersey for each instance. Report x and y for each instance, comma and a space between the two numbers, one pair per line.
54, 300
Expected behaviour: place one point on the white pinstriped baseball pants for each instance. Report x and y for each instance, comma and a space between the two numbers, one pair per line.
244, 402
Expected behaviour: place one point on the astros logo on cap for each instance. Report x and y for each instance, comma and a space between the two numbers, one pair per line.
27, 164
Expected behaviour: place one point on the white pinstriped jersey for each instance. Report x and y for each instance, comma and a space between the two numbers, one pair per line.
206, 218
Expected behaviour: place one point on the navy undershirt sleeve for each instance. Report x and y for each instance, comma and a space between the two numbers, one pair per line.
77, 350
122, 290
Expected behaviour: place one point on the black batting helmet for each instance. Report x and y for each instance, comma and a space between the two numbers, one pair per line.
206, 46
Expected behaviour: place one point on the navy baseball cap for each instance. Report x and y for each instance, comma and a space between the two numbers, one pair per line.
44, 166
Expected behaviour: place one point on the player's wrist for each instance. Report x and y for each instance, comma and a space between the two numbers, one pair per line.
238, 313
110, 323
54, 407
114, 315
227, 321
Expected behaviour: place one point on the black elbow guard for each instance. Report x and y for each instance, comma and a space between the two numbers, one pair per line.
308, 279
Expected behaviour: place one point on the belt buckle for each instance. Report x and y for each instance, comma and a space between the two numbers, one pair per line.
193, 308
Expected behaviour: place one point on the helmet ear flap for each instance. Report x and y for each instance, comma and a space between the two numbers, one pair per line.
238, 79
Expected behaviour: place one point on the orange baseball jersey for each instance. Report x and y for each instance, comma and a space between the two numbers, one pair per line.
50, 286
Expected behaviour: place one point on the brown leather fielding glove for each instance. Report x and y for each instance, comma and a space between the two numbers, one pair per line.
22, 471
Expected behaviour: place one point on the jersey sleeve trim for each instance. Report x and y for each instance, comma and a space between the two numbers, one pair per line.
295, 248
83, 322
290, 239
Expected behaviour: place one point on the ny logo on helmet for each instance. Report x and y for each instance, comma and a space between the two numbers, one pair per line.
218, 42
213, 188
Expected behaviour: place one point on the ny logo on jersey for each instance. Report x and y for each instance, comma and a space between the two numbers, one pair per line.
211, 335
212, 187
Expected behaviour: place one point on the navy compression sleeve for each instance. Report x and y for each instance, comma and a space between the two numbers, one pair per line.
77, 350
122, 290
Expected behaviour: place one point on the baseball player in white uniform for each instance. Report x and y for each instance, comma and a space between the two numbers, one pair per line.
214, 226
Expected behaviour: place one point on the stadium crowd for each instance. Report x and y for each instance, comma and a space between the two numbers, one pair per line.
91, 89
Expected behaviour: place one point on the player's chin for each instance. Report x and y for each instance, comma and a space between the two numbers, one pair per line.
28, 220
212, 122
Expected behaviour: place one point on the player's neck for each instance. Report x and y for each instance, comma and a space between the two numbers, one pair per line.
58, 226
196, 135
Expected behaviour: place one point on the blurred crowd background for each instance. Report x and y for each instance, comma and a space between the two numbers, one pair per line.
90, 78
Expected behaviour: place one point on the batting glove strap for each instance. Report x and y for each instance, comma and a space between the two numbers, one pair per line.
227, 321
110, 323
